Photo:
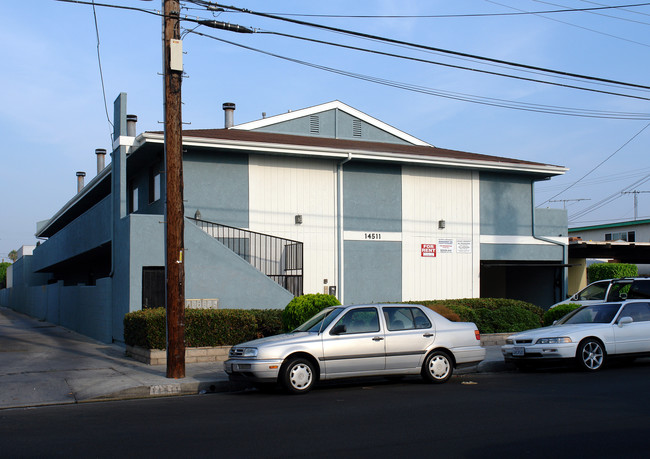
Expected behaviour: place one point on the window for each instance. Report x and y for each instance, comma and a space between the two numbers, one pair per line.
133, 197
639, 312
640, 290
405, 319
619, 236
154, 183
631, 236
608, 236
362, 320
593, 292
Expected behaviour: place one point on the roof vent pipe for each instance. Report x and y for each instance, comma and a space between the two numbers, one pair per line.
80, 181
101, 159
131, 120
229, 111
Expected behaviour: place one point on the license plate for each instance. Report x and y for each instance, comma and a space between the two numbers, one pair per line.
518, 351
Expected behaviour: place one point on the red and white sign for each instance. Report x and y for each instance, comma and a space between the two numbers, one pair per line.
428, 250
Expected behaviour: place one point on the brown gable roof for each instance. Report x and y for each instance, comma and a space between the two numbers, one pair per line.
345, 145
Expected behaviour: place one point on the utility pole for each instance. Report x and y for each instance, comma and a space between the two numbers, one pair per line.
636, 200
174, 209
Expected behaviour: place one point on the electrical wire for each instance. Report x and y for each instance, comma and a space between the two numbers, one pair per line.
577, 26
446, 94
209, 5
439, 16
101, 76
382, 53
598, 165
598, 14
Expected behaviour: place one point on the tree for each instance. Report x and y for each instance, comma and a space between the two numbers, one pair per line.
13, 256
3, 274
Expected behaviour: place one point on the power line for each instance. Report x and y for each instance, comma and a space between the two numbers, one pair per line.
597, 166
440, 16
460, 67
101, 76
445, 94
418, 46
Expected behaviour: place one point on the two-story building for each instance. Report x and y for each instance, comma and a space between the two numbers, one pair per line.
323, 199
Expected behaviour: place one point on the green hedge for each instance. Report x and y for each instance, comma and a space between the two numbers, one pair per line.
302, 308
558, 312
203, 327
600, 271
491, 315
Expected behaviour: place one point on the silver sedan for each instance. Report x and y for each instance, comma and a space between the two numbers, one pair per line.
359, 340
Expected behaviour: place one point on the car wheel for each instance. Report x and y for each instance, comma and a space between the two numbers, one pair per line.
298, 376
591, 355
437, 367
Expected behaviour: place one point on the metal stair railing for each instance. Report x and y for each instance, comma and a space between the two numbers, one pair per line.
279, 259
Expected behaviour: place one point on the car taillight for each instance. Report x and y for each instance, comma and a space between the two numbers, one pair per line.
478, 334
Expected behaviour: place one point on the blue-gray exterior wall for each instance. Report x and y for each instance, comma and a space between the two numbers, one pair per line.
88, 231
217, 272
217, 185
372, 202
334, 124
505, 204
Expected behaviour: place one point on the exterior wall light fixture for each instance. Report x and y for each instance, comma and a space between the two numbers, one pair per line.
298, 219
441, 224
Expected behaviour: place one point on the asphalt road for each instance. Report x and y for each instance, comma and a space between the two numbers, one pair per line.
551, 413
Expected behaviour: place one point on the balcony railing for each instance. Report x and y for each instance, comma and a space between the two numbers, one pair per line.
278, 258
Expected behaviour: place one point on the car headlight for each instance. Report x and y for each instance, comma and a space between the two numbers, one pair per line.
249, 352
558, 340
509, 341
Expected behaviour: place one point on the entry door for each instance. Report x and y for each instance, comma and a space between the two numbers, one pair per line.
153, 287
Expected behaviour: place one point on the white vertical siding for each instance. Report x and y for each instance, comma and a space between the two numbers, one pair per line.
281, 188
430, 195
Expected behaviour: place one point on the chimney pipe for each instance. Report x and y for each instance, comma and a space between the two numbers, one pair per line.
80, 181
130, 125
101, 158
229, 110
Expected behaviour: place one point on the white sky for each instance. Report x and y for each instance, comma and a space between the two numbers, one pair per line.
52, 114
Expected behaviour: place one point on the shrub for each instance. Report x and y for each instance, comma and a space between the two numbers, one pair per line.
492, 315
146, 328
303, 308
219, 327
600, 271
203, 327
558, 312
269, 321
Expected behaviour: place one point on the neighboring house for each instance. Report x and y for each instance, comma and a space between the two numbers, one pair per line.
631, 231
623, 242
325, 199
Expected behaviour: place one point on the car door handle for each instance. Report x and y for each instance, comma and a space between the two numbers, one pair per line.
378, 338
428, 335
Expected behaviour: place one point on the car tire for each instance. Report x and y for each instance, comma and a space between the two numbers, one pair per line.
591, 355
438, 367
298, 376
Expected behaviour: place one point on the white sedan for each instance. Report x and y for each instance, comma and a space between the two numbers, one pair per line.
359, 340
589, 335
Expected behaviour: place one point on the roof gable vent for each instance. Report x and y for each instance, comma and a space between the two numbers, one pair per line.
356, 127
314, 124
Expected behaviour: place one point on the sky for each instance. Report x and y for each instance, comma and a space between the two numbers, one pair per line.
53, 116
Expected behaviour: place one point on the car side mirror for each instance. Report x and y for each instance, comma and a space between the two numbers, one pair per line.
625, 321
338, 329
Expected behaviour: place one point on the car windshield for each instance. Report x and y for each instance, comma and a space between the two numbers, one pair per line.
320, 320
595, 314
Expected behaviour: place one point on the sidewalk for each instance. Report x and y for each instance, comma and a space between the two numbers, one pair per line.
45, 364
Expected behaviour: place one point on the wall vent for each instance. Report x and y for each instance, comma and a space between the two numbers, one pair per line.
356, 128
314, 124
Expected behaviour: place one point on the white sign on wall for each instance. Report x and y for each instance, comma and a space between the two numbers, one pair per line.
446, 245
464, 246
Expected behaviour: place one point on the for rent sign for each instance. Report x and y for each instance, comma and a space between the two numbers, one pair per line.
428, 250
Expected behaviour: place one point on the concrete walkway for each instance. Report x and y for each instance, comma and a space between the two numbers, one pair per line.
45, 364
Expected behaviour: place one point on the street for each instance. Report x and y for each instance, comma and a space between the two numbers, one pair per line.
558, 412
